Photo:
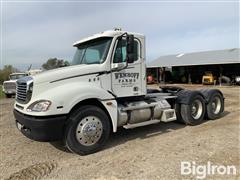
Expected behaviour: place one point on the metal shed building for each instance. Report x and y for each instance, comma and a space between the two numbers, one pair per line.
190, 67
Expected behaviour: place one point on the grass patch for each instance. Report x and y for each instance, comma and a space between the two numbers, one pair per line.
2, 95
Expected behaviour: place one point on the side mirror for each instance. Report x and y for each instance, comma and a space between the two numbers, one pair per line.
130, 48
118, 66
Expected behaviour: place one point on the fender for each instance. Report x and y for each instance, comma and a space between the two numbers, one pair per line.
66, 95
89, 91
185, 96
207, 93
112, 110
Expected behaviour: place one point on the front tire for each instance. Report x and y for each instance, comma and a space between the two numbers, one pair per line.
87, 131
194, 112
8, 95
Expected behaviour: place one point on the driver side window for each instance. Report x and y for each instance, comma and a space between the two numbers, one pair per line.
120, 54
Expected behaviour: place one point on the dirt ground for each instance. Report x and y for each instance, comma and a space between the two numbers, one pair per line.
151, 152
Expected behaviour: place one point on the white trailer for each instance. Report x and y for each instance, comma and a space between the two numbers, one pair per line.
104, 88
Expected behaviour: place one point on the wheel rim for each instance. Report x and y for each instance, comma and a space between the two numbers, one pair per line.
89, 130
197, 109
216, 105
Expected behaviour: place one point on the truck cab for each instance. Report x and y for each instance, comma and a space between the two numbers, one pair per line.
103, 89
107, 52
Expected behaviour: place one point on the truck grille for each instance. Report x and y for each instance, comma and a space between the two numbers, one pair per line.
10, 86
21, 94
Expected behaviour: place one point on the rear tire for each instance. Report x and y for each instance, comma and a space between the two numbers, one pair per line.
178, 113
87, 131
215, 106
194, 112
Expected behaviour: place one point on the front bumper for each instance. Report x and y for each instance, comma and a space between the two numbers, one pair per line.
46, 128
9, 91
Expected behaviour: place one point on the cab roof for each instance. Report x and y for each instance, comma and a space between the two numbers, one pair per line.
109, 33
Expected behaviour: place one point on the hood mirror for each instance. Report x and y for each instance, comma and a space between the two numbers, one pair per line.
118, 66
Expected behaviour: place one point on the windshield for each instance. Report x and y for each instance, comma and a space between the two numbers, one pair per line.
17, 76
92, 52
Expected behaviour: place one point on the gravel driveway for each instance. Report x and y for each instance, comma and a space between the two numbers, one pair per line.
151, 152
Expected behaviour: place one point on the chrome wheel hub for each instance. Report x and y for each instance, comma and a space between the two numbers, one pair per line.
194, 109
197, 109
216, 105
89, 131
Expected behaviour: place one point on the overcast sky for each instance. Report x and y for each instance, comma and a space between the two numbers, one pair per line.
35, 31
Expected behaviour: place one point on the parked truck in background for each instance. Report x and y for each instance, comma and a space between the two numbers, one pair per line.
209, 79
104, 89
9, 86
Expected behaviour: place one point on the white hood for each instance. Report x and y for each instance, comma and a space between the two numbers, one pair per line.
65, 72
10, 81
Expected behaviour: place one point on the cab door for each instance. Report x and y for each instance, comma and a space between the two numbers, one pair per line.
128, 81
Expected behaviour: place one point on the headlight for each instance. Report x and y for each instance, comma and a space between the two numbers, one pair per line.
30, 87
237, 79
39, 106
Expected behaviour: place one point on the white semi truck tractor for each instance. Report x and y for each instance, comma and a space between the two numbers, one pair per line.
104, 89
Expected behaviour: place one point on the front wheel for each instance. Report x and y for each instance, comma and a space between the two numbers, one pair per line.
87, 131
8, 95
194, 112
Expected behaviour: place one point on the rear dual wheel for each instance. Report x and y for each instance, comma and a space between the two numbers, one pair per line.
215, 105
194, 112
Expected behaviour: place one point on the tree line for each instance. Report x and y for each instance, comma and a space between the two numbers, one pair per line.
6, 71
